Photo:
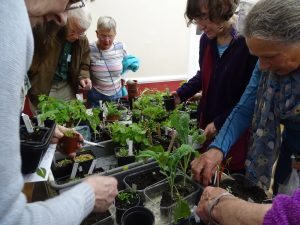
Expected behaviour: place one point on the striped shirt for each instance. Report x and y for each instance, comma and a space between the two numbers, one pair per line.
106, 67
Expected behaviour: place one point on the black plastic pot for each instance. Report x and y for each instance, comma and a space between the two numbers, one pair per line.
138, 216
33, 150
64, 172
124, 160
189, 221
169, 102
121, 207
99, 219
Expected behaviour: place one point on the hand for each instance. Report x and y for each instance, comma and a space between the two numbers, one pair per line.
59, 133
210, 131
105, 188
205, 166
86, 84
176, 97
208, 194
196, 97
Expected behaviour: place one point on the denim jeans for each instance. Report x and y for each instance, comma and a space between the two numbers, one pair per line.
94, 96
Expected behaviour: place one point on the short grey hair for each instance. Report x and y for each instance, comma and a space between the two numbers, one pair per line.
107, 23
81, 17
274, 20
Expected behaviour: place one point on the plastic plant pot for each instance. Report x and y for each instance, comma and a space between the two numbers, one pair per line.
169, 102
34, 146
138, 216
122, 205
69, 144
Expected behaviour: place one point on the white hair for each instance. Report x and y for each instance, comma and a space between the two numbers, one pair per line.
81, 17
274, 20
107, 23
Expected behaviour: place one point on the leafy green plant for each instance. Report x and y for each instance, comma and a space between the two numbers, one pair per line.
112, 109
123, 152
64, 162
180, 121
168, 163
125, 196
121, 132
69, 133
181, 211
67, 112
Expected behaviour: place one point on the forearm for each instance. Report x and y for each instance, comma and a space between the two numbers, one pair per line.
190, 88
239, 212
240, 118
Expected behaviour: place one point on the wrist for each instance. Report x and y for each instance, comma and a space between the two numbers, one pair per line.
221, 208
215, 206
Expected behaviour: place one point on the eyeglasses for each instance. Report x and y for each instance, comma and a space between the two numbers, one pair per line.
71, 6
79, 35
104, 37
201, 17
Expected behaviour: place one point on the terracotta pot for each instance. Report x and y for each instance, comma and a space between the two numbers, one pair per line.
69, 144
132, 86
112, 118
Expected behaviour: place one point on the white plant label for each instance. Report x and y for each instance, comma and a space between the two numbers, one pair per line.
74, 170
92, 166
27, 123
100, 104
39, 121
79, 97
130, 145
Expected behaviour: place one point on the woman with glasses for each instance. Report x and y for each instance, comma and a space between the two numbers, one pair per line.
225, 69
61, 60
106, 63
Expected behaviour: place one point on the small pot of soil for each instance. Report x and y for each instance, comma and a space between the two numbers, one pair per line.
164, 141
122, 156
85, 160
140, 180
132, 87
138, 216
34, 145
242, 187
98, 218
62, 169
112, 118
169, 102
69, 143
125, 199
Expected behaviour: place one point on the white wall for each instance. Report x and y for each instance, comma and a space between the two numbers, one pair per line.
153, 30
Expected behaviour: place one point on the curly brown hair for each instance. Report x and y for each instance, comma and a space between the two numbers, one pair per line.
218, 10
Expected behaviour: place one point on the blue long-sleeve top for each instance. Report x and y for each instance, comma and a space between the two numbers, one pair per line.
240, 118
230, 75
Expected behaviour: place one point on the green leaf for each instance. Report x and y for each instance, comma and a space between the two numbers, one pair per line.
41, 172
181, 211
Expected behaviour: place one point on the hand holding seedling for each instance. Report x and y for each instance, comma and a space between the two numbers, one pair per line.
205, 166
176, 96
59, 133
105, 189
